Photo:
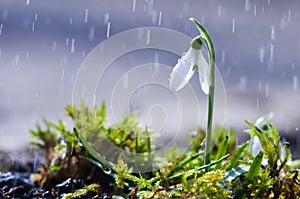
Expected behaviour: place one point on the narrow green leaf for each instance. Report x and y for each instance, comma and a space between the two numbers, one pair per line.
254, 168
180, 175
184, 162
99, 165
91, 150
103, 110
237, 155
222, 151
150, 158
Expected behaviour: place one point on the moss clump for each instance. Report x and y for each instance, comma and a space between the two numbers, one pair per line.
233, 172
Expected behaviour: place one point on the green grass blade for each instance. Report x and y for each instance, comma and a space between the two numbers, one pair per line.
222, 151
91, 150
184, 162
254, 168
180, 175
237, 155
99, 165
148, 140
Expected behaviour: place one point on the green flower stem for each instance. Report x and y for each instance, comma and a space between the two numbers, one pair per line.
150, 159
210, 47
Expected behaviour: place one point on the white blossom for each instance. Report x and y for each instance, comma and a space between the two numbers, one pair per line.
183, 71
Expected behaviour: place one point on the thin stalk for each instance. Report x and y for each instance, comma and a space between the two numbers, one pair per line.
184, 162
150, 159
196, 170
210, 47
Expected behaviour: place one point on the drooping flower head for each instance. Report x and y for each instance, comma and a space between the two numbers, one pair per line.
190, 62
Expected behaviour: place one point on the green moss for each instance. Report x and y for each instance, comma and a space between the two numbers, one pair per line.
233, 172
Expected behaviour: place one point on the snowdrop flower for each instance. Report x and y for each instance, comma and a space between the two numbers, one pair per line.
190, 62
255, 145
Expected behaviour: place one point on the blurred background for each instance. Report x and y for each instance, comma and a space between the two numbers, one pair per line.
43, 43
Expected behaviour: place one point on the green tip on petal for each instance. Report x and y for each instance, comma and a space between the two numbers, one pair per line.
197, 43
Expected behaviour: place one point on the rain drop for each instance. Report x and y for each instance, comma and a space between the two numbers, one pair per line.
262, 9
267, 90
1, 28
16, 60
71, 21
148, 37
65, 60
91, 33
133, 5
30, 149
36, 94
108, 30
259, 86
159, 18
219, 10
72, 148
106, 18
54, 46
254, 10
283, 22
271, 52
27, 54
153, 16
32, 27
27, 2
298, 141
243, 83
73, 46
257, 103
272, 32
293, 66
35, 16
63, 74
295, 83
261, 51
86, 15
35, 162
247, 5
156, 62
289, 15
269, 2
223, 56
233, 25
67, 41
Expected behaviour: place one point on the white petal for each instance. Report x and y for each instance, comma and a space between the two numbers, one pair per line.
203, 70
255, 146
183, 71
